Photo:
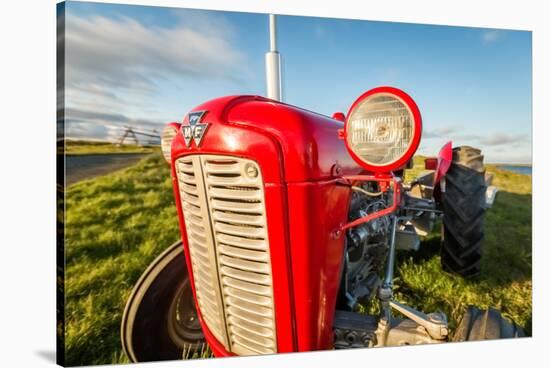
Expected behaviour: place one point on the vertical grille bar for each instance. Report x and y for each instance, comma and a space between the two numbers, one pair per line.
201, 244
230, 195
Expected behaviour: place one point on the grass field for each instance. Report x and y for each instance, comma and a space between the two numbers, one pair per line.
89, 148
505, 279
117, 224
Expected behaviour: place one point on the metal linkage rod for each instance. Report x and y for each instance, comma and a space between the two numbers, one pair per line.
385, 293
388, 281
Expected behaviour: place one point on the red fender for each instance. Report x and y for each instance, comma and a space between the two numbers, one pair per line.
444, 160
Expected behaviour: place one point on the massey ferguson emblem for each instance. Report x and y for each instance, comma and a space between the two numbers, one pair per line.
195, 130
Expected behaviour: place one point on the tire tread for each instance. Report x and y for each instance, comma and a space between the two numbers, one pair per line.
477, 324
464, 213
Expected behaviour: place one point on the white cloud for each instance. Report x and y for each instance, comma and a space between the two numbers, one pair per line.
496, 146
114, 66
125, 53
494, 139
500, 139
438, 133
490, 36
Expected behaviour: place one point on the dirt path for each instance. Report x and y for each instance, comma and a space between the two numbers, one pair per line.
80, 167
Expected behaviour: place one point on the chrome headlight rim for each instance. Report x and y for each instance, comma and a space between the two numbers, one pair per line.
169, 133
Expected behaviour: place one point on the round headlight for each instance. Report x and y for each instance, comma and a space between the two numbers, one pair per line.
383, 128
168, 134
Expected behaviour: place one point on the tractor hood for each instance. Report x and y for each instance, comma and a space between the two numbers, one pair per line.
304, 145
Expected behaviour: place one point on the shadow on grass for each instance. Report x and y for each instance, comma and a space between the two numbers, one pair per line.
505, 278
507, 247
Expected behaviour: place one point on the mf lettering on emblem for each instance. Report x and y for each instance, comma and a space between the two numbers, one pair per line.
195, 130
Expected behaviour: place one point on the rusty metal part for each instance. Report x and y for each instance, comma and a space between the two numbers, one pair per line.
435, 324
354, 330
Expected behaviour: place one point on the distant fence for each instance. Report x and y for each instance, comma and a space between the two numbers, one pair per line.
152, 135
117, 134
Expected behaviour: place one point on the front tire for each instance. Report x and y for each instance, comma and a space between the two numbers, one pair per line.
160, 321
477, 324
464, 213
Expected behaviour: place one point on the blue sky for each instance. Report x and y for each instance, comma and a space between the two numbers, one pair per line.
146, 66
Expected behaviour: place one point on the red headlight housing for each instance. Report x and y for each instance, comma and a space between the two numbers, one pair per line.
383, 128
168, 134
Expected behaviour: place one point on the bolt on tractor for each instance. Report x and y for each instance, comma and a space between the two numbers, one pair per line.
290, 223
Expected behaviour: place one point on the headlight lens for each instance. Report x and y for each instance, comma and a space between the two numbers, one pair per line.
380, 129
168, 134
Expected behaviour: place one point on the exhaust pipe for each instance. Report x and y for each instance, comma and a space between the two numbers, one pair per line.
273, 63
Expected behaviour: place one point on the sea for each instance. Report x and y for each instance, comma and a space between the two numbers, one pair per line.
520, 169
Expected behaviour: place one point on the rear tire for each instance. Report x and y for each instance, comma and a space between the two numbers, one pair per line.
464, 213
160, 321
485, 325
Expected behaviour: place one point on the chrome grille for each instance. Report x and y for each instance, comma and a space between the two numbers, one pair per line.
199, 236
228, 241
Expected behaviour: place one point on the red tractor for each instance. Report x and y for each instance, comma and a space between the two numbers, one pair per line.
290, 222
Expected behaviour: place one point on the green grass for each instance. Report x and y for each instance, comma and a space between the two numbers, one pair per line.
89, 148
117, 224
505, 279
